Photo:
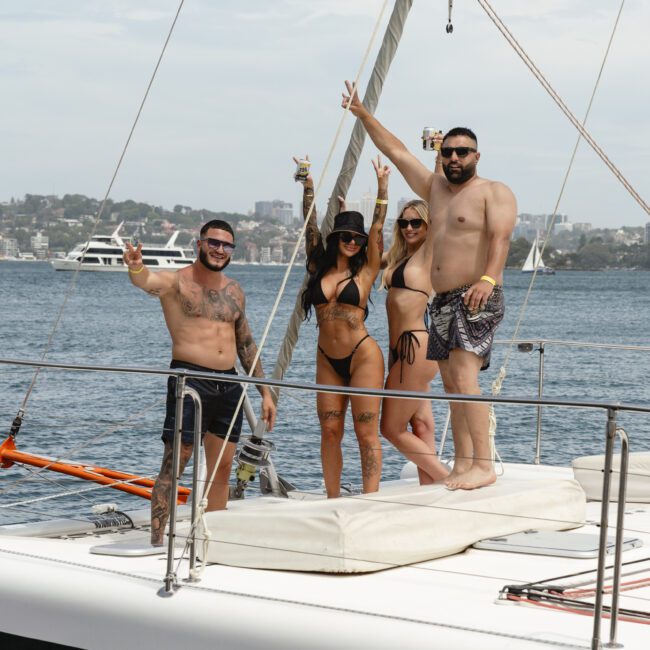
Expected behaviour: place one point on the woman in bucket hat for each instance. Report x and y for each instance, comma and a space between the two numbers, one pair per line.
342, 271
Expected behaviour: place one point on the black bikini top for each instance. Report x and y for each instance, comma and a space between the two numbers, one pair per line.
348, 296
397, 279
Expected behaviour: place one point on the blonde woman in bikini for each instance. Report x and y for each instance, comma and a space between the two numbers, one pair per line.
407, 279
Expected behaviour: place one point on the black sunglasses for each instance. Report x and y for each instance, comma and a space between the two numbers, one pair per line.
416, 224
461, 152
348, 237
228, 247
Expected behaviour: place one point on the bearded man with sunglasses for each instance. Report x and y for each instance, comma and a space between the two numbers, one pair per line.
471, 222
205, 312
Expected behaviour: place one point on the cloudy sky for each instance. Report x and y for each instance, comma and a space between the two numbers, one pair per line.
246, 84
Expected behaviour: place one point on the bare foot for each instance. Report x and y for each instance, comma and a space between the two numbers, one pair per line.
476, 477
461, 467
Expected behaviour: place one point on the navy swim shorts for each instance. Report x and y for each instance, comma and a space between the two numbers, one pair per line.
219, 401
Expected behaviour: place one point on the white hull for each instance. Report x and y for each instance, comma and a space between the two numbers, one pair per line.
542, 270
56, 590
73, 265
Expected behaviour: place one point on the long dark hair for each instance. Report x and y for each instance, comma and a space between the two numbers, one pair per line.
321, 260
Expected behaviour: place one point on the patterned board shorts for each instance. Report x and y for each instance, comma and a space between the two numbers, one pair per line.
452, 325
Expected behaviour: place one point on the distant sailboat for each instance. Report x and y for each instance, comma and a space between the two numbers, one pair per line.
534, 259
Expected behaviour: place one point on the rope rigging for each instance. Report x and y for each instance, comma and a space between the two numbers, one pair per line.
17, 422
325, 228
563, 107
348, 167
582, 133
392, 35
563, 186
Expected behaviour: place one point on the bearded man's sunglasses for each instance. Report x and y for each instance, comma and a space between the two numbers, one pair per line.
461, 152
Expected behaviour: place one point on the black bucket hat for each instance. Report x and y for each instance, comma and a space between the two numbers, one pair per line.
349, 221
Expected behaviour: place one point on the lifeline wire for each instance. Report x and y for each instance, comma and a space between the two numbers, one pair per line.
581, 133
285, 279
498, 382
73, 282
83, 445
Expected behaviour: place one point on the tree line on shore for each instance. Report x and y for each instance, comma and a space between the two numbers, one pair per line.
69, 220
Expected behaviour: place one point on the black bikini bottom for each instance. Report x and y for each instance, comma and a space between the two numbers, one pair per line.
342, 366
405, 349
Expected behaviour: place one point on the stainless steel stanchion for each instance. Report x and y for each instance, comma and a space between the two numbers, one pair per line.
604, 525
170, 576
620, 529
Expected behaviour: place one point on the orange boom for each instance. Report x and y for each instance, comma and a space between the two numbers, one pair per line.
115, 479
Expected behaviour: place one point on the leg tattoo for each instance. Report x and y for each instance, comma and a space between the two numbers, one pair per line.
364, 416
369, 465
161, 492
160, 499
330, 415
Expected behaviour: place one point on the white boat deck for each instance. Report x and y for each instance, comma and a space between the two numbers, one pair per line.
84, 600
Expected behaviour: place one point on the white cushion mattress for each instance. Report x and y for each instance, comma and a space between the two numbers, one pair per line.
588, 470
399, 525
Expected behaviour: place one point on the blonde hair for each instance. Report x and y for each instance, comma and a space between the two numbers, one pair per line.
398, 248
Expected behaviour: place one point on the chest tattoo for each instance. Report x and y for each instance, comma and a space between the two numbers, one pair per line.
217, 305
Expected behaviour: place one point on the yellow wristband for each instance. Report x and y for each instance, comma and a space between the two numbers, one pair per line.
487, 278
381, 202
138, 271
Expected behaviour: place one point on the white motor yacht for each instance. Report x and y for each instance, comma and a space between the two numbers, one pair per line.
104, 253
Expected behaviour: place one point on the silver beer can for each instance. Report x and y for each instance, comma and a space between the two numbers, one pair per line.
428, 143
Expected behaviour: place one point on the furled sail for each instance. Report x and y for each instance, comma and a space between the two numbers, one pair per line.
384, 59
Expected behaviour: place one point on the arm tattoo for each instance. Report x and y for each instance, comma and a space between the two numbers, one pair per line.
246, 348
312, 234
379, 215
378, 218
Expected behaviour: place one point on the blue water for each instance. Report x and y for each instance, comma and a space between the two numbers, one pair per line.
116, 418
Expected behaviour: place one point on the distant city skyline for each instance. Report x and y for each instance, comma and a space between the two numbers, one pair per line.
246, 85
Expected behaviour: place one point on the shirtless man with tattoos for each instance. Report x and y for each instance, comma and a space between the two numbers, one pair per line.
471, 220
205, 314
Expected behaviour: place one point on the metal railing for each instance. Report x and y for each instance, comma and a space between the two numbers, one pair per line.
611, 431
529, 345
